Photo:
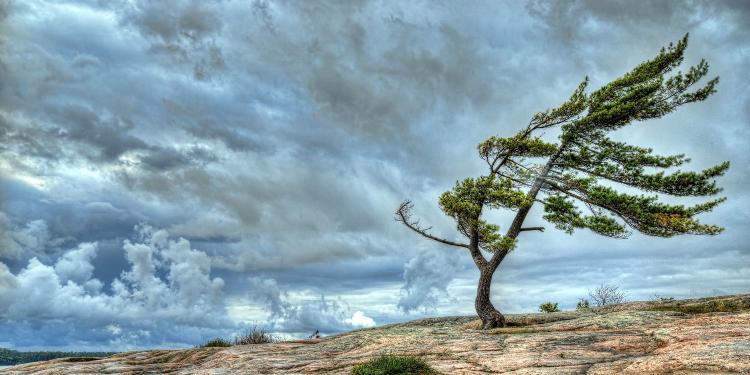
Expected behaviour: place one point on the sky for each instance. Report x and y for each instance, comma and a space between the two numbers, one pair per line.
173, 171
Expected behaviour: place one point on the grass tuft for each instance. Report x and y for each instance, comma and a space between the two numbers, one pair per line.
702, 307
217, 343
389, 364
254, 336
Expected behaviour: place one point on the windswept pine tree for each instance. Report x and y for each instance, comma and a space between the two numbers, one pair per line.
576, 178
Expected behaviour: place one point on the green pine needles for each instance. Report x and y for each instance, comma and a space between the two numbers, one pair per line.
579, 179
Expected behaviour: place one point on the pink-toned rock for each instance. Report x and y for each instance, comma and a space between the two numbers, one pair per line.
701, 336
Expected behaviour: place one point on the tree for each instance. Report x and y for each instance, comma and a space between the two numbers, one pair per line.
548, 307
583, 169
606, 294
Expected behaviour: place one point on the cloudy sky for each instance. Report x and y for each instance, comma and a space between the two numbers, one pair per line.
177, 170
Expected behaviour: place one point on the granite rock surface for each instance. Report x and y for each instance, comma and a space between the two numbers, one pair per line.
700, 336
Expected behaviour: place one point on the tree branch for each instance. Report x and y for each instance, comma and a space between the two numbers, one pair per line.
403, 215
628, 221
541, 229
515, 226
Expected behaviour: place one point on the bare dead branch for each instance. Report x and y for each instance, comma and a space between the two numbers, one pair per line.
403, 215
606, 294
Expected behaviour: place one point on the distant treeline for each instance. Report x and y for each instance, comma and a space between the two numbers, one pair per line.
12, 357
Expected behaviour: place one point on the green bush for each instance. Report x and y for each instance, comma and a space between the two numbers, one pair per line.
388, 364
217, 342
583, 304
548, 307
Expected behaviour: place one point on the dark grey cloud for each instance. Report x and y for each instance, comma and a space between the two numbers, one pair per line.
161, 159
182, 31
96, 138
108, 137
31, 141
278, 137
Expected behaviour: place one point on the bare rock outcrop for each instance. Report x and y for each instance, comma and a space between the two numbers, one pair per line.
710, 335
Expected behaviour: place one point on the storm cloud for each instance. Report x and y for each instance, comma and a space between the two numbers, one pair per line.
261, 147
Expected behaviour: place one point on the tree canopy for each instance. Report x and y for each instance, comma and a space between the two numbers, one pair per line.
584, 167
585, 179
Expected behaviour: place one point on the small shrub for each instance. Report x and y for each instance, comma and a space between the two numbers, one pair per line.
388, 364
548, 307
606, 294
217, 342
253, 336
583, 304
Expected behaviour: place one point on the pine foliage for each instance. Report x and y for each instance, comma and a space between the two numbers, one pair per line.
585, 179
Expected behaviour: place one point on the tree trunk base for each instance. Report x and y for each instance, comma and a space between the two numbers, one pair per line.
492, 319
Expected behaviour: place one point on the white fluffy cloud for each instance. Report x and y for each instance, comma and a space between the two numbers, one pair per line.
167, 296
360, 320
75, 265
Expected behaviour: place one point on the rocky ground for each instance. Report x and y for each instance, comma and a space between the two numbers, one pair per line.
698, 336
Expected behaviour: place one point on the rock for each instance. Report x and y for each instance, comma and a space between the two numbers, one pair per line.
713, 336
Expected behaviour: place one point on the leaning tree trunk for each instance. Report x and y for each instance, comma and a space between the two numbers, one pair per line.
491, 318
